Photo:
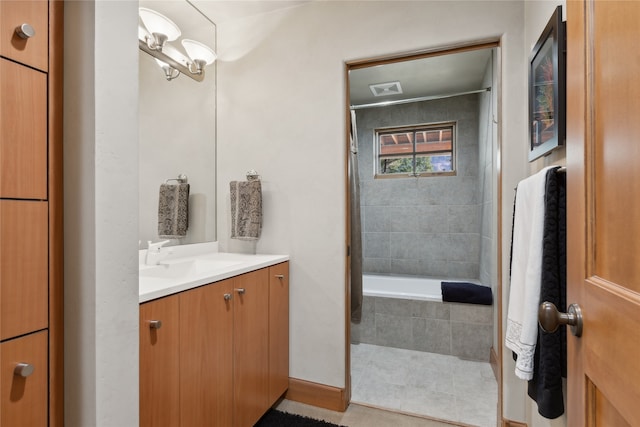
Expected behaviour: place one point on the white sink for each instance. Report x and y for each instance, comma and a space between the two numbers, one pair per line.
186, 268
189, 266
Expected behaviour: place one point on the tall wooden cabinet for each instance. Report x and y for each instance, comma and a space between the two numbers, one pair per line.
31, 323
226, 347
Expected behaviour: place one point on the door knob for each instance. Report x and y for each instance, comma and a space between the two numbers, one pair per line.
241, 291
550, 318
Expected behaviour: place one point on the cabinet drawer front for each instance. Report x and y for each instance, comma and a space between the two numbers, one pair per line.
23, 132
24, 274
24, 399
32, 51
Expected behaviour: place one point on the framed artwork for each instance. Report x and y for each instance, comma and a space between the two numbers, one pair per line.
547, 93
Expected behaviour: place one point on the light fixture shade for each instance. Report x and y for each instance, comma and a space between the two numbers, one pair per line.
197, 50
158, 23
142, 32
175, 54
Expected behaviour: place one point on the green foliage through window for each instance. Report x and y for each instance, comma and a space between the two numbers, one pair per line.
415, 150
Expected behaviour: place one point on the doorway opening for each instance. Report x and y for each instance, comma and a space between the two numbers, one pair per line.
429, 120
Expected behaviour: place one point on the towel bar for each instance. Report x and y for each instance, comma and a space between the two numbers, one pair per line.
182, 179
252, 175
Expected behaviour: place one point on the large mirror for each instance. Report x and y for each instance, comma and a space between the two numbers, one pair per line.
426, 137
178, 131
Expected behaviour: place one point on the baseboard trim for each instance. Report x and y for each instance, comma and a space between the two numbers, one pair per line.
493, 361
315, 394
509, 423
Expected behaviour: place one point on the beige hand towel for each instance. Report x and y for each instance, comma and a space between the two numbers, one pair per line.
246, 210
173, 211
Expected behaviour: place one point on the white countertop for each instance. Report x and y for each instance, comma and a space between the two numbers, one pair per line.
190, 266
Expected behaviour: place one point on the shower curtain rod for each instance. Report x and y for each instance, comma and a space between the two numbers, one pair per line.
421, 98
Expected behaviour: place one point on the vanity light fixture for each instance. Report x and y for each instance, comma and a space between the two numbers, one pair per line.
154, 35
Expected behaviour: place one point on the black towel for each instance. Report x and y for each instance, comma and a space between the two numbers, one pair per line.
469, 293
550, 358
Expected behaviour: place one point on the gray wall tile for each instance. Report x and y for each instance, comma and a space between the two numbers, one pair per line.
419, 213
394, 331
432, 335
471, 341
375, 245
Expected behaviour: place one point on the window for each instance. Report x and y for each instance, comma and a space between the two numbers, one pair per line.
423, 150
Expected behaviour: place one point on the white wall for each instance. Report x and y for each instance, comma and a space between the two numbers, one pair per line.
281, 111
101, 214
537, 15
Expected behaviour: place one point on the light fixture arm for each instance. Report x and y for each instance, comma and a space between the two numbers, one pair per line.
197, 74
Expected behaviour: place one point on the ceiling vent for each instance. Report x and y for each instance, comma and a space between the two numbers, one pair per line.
386, 89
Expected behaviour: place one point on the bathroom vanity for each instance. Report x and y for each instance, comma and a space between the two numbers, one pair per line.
214, 339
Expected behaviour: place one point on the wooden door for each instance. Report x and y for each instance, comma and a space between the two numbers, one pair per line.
278, 331
206, 364
160, 363
24, 392
251, 346
603, 217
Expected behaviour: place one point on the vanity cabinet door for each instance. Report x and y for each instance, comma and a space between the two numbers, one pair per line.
24, 272
23, 132
160, 363
206, 364
251, 347
24, 388
32, 51
278, 331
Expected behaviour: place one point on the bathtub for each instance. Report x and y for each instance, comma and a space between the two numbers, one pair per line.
408, 312
413, 288
404, 287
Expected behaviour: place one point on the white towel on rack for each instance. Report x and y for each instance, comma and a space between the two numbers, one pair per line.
526, 272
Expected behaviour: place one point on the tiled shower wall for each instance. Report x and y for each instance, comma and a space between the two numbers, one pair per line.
428, 226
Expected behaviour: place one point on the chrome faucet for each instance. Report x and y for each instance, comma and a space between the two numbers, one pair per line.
155, 253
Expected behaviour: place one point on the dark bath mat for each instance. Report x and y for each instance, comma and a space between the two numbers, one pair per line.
275, 418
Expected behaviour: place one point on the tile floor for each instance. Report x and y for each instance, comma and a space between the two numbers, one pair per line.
429, 384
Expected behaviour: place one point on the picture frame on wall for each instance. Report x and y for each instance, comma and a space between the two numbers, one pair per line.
547, 89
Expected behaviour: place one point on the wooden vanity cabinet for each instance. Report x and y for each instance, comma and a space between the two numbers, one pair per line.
160, 362
251, 347
278, 331
206, 359
232, 355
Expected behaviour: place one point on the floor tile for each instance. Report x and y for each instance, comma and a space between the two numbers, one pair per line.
424, 384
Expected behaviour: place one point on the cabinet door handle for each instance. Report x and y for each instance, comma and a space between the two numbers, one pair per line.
23, 370
279, 276
25, 31
227, 297
241, 291
155, 324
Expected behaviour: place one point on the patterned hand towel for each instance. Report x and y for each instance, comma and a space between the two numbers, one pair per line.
246, 210
173, 211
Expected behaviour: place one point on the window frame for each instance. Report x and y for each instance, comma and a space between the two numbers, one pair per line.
378, 132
